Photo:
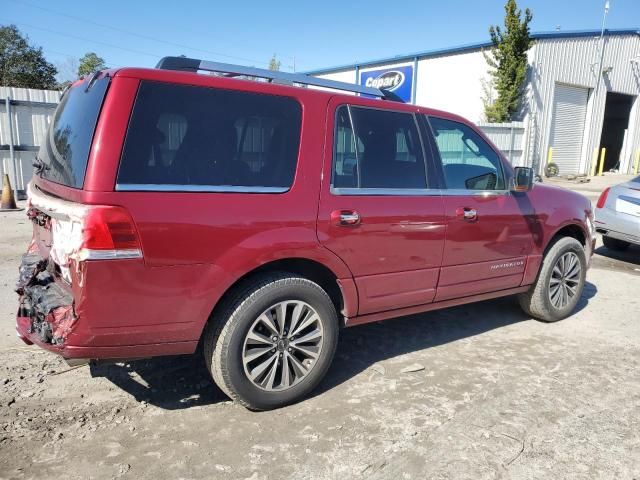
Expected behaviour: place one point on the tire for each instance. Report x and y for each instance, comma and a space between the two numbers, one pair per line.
542, 301
551, 170
615, 244
252, 309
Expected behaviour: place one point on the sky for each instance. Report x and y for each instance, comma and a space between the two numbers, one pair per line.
305, 35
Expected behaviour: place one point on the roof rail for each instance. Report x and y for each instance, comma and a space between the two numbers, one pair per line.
193, 65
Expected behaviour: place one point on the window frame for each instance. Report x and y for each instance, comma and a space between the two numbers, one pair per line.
440, 166
201, 188
429, 189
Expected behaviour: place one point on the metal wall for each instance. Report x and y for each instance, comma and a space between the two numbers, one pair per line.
453, 81
510, 138
30, 114
574, 61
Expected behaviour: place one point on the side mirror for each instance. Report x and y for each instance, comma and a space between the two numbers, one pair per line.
522, 179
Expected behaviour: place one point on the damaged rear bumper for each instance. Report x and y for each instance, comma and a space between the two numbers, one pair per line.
47, 318
46, 310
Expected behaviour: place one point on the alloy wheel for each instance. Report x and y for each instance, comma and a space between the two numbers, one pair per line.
283, 345
565, 280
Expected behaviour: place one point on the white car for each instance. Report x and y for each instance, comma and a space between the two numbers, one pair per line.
617, 215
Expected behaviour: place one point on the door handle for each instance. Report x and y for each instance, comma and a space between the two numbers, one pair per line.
466, 213
345, 218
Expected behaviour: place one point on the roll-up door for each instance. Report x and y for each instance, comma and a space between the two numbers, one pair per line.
567, 126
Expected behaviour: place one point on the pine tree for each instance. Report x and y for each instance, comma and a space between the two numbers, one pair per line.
274, 63
90, 63
508, 59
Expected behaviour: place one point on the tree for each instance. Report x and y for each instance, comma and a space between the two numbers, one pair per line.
23, 65
508, 59
274, 63
90, 63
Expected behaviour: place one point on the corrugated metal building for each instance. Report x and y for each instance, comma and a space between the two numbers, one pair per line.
574, 103
24, 117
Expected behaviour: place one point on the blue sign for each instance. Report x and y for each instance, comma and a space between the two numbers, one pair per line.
397, 80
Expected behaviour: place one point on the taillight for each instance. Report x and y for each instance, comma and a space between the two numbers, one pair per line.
109, 232
603, 198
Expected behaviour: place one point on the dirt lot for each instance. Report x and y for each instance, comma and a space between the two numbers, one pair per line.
468, 392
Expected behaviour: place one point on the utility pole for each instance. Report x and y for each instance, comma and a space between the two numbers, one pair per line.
599, 71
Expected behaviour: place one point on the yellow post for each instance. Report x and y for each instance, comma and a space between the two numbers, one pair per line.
635, 169
603, 152
550, 155
594, 162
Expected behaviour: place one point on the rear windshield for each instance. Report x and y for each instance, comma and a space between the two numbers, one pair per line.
65, 151
184, 137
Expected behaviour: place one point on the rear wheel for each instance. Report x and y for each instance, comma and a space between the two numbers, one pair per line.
272, 342
615, 244
559, 284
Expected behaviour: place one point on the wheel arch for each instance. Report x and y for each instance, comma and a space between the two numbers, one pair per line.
338, 290
568, 229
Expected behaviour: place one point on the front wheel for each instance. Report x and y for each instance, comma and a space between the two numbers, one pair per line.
559, 284
272, 341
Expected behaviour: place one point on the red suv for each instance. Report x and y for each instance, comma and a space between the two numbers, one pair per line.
256, 219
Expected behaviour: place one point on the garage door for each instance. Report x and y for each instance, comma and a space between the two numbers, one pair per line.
567, 126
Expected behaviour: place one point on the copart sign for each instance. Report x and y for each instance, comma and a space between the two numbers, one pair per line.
396, 79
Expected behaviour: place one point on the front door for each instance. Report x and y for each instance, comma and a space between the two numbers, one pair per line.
488, 235
377, 212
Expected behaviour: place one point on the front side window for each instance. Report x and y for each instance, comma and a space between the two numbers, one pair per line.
185, 135
468, 162
377, 149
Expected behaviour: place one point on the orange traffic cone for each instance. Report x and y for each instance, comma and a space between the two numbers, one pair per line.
7, 202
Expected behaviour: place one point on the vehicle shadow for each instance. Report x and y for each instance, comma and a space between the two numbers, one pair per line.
183, 381
362, 346
631, 255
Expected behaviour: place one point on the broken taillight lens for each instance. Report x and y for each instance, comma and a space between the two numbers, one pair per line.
603, 198
109, 232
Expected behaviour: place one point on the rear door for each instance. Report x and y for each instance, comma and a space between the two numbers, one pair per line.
488, 233
377, 211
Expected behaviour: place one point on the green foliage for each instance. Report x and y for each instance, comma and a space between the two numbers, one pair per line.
274, 63
23, 65
90, 63
508, 59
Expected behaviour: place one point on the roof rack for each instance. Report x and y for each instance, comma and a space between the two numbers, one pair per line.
194, 65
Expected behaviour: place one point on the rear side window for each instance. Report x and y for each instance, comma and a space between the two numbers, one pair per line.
185, 136
468, 162
377, 149
65, 151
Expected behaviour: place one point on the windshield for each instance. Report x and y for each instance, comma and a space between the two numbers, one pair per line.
65, 151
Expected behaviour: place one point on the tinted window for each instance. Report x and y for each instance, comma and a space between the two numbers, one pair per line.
467, 160
185, 135
377, 149
65, 151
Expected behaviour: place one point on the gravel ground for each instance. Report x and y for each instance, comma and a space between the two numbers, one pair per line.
476, 392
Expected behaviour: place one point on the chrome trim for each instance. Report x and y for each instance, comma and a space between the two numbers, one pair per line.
399, 192
150, 187
89, 254
458, 192
429, 192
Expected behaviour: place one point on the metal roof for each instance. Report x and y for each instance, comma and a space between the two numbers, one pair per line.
473, 46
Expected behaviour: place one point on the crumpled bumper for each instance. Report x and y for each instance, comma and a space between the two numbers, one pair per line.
46, 313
